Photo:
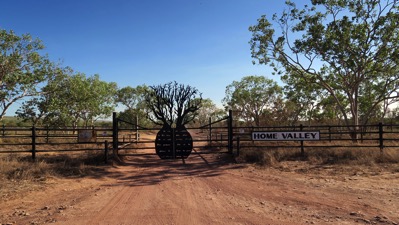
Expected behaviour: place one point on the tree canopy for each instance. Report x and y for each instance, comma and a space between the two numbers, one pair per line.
133, 99
346, 49
22, 68
53, 95
209, 110
252, 98
71, 98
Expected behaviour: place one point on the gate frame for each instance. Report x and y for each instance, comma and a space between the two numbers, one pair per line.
115, 131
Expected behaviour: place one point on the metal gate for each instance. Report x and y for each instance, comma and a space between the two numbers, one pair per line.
214, 137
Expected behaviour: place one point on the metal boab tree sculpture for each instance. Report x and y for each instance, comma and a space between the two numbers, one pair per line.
172, 106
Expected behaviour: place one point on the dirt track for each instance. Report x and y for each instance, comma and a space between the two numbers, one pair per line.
211, 189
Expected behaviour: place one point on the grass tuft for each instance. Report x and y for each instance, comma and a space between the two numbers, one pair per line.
19, 174
17, 168
367, 157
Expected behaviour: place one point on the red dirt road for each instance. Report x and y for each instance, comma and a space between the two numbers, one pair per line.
211, 189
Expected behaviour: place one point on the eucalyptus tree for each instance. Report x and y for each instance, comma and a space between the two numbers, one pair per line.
32, 110
100, 102
133, 99
84, 98
284, 112
345, 48
70, 99
209, 111
22, 68
252, 98
304, 97
37, 109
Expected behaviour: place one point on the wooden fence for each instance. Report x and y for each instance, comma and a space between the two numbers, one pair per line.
34, 140
43, 140
377, 136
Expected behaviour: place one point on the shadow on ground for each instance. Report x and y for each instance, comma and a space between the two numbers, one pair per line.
148, 169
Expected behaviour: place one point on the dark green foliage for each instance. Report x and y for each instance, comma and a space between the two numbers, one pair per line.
347, 50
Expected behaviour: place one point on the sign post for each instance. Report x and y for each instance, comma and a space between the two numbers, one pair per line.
286, 136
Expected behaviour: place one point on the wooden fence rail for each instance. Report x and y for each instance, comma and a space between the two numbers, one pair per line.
377, 136
35, 140
42, 139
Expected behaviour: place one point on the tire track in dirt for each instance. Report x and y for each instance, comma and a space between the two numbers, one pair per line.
206, 190
113, 206
212, 189
135, 202
176, 193
293, 199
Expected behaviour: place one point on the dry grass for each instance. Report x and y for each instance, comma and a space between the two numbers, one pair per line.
330, 162
18, 168
320, 156
19, 173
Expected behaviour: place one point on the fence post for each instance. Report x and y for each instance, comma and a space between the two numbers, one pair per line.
33, 142
210, 130
230, 132
252, 130
329, 132
381, 138
47, 134
137, 128
174, 143
106, 152
4, 129
302, 148
114, 132
238, 146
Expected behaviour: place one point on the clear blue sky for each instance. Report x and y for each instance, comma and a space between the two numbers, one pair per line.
203, 43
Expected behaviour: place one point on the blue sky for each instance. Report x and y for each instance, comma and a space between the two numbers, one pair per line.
202, 43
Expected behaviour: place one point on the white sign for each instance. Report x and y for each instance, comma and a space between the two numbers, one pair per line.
286, 136
87, 136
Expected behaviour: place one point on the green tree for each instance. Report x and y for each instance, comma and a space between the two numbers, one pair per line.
86, 98
329, 112
32, 110
252, 98
341, 47
36, 109
133, 99
209, 110
305, 97
73, 98
284, 112
22, 68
